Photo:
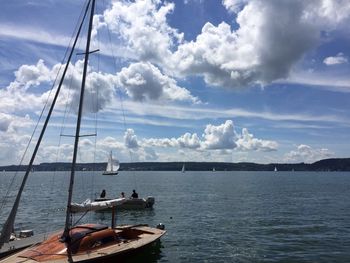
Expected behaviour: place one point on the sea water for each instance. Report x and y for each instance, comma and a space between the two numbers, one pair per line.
209, 216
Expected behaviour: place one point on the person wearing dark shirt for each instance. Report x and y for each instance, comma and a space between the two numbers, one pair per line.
134, 194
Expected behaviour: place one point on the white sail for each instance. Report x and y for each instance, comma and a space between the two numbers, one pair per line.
115, 165
94, 206
183, 168
112, 165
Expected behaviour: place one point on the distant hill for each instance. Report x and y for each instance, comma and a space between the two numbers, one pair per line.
335, 164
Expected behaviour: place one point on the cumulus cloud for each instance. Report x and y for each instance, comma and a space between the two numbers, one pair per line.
21, 94
99, 88
130, 150
13, 137
5, 121
191, 141
188, 140
340, 58
259, 51
33, 75
143, 27
130, 139
144, 81
12, 145
141, 81
247, 142
221, 137
305, 153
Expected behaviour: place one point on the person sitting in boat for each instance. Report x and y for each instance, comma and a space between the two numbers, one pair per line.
103, 194
134, 194
122, 195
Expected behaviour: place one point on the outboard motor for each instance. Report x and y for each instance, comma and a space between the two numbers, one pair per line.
150, 201
160, 226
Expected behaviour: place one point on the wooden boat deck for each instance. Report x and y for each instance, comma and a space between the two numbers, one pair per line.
20, 244
89, 244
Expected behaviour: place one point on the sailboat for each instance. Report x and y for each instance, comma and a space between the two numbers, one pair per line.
88, 242
112, 166
183, 170
275, 170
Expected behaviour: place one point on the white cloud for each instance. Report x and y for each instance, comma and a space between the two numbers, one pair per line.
191, 141
13, 137
338, 59
194, 1
162, 142
331, 11
202, 113
12, 145
143, 81
324, 80
99, 88
21, 94
110, 143
220, 137
233, 6
33, 75
142, 25
130, 139
247, 142
5, 121
305, 153
258, 52
33, 34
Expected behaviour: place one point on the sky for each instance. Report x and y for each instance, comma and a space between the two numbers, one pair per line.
261, 81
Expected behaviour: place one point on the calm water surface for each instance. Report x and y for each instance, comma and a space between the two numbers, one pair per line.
210, 217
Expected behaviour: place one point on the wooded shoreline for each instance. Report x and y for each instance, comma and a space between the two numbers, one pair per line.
334, 164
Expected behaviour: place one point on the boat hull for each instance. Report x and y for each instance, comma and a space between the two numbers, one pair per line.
91, 244
109, 173
131, 204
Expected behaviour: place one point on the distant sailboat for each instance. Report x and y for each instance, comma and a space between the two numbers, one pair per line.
112, 166
214, 169
183, 168
275, 169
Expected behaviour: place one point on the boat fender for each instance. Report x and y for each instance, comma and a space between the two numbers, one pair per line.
161, 226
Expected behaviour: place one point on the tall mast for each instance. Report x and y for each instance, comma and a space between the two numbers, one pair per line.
111, 160
68, 223
8, 226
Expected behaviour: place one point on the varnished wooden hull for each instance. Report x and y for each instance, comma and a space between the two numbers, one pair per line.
90, 246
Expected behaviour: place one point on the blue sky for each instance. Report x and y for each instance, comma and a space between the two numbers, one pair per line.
186, 80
